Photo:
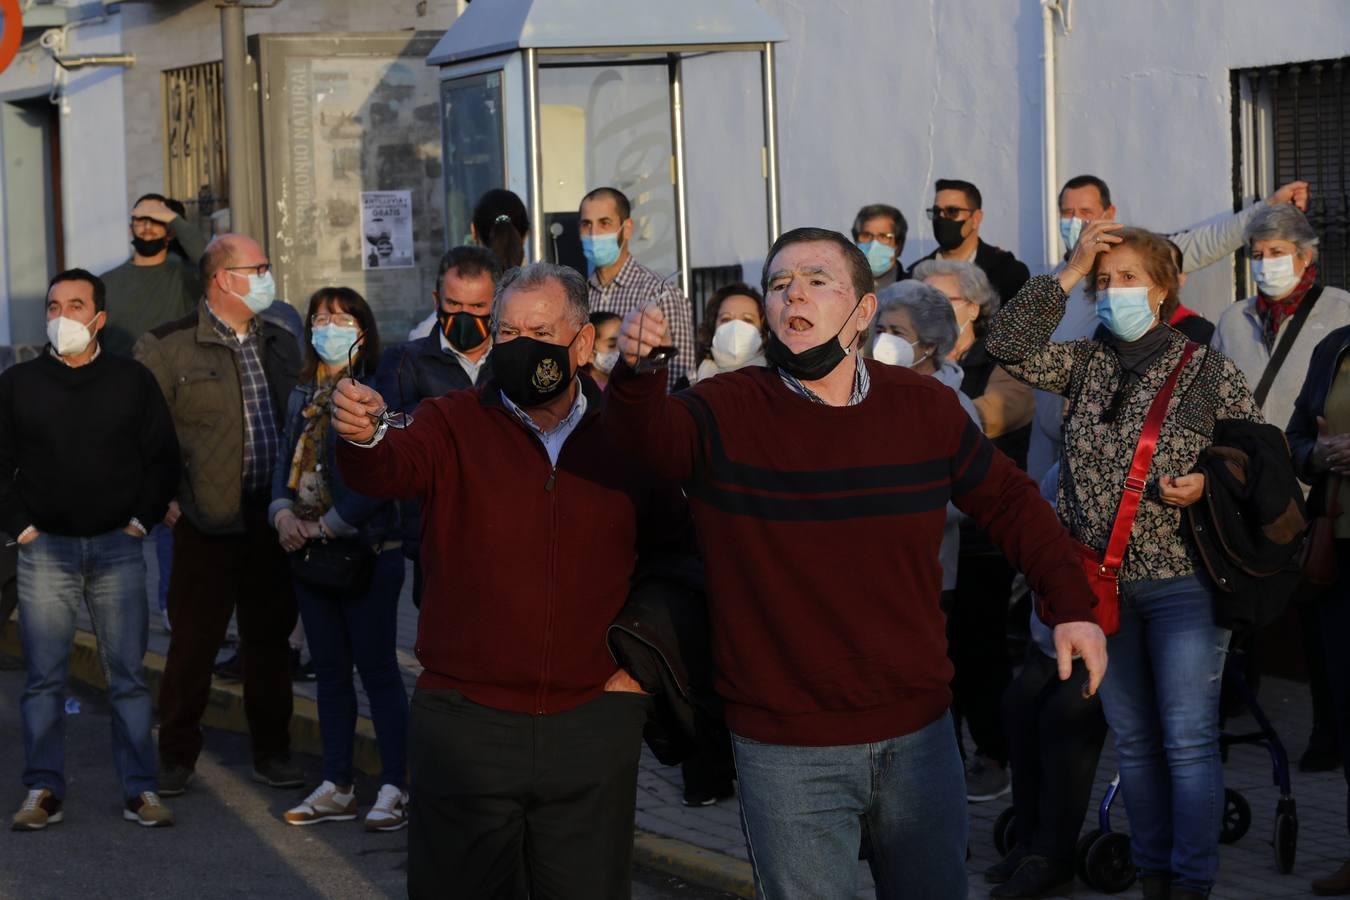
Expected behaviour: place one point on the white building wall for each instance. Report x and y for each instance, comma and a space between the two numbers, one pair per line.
93, 159
879, 98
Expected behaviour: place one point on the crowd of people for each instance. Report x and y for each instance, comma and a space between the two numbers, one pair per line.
786, 547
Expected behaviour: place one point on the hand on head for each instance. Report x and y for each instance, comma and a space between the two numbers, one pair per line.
1097, 238
154, 209
356, 410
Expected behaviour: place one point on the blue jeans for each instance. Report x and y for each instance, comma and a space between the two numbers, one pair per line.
57, 574
803, 810
360, 630
1161, 698
163, 535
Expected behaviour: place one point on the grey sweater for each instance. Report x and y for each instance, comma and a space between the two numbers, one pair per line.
143, 297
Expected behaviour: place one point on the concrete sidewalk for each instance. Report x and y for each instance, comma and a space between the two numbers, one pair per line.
705, 845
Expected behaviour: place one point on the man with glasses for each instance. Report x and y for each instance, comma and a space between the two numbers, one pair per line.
226, 374
154, 286
879, 230
957, 213
453, 357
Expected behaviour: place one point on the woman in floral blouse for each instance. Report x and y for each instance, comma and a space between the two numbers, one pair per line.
1161, 692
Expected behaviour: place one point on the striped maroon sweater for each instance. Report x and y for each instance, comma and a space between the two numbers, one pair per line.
820, 529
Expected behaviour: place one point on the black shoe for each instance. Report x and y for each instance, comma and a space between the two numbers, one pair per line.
1157, 885
229, 670
278, 773
1004, 869
1036, 877
301, 672
1322, 754
173, 779
706, 797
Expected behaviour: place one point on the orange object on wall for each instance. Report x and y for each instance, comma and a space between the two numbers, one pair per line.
13, 33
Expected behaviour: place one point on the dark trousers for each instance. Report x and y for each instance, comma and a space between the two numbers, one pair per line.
510, 805
1309, 611
977, 644
1334, 612
1055, 738
361, 630
213, 576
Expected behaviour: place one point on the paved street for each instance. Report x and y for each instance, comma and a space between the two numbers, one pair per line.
1247, 869
228, 842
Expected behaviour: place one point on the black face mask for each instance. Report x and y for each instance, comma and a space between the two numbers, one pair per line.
813, 363
947, 233
154, 247
531, 372
463, 330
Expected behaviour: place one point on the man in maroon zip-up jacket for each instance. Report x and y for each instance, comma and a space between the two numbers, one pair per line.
819, 488
524, 740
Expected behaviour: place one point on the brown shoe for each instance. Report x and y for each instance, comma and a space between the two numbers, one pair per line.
40, 809
1335, 885
146, 810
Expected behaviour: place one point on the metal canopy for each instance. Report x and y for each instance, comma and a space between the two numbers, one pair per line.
491, 27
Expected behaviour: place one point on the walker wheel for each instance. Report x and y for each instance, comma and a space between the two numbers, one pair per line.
1237, 817
1109, 866
1081, 853
1286, 836
1005, 831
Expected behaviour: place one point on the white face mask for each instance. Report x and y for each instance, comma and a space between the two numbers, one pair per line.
68, 337
735, 343
1275, 275
605, 362
893, 350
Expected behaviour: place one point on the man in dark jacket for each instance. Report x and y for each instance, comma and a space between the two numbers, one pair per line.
453, 357
524, 739
957, 213
226, 373
88, 461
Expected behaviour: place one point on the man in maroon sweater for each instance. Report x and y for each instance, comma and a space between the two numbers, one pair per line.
819, 488
524, 740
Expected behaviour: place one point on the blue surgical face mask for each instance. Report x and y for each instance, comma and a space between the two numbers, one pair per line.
1070, 230
333, 343
601, 249
262, 290
879, 257
1125, 311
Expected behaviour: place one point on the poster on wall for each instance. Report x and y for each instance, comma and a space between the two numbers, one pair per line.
386, 224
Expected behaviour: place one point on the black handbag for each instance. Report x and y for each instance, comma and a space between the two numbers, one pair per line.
341, 565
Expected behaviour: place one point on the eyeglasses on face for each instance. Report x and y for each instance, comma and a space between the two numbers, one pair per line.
343, 320
886, 237
260, 269
947, 212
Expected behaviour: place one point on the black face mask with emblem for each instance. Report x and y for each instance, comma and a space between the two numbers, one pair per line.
530, 372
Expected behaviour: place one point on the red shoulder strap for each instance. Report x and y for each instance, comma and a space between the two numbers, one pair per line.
1143, 457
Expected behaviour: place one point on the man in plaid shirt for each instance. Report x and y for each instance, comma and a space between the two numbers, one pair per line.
620, 284
226, 374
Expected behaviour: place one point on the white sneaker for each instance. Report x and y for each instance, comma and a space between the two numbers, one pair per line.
390, 812
326, 804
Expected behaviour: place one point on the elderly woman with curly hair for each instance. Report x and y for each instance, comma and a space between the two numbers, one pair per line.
977, 627
1161, 695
